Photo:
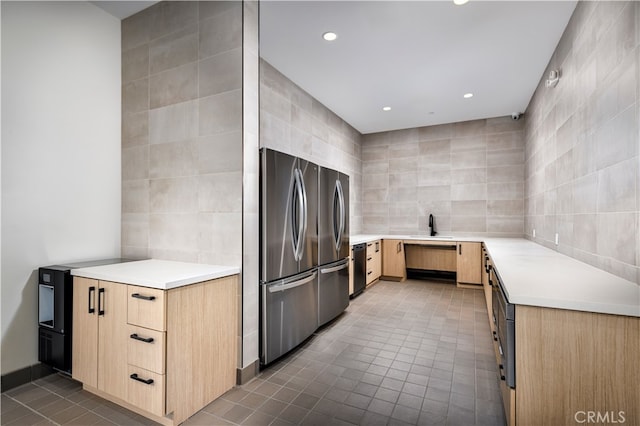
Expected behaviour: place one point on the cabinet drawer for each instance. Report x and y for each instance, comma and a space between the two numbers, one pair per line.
146, 348
371, 249
146, 307
148, 396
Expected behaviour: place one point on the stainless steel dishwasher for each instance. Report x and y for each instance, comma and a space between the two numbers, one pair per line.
359, 268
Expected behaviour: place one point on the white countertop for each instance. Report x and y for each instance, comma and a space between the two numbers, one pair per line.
537, 276
365, 238
160, 274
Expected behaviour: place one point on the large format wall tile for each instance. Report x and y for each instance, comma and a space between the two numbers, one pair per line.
453, 171
182, 130
171, 51
582, 150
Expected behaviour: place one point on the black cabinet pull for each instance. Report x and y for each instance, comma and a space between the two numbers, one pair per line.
101, 301
134, 376
139, 296
460, 249
369, 273
92, 308
142, 339
369, 258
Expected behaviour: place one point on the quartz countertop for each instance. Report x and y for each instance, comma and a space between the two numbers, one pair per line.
160, 274
537, 276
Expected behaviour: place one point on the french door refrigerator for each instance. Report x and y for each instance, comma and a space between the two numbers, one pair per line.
333, 244
288, 252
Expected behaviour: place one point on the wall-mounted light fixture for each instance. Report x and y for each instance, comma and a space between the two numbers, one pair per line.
554, 78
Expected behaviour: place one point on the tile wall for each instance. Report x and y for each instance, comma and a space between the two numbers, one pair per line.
292, 121
182, 157
469, 175
250, 185
190, 136
582, 142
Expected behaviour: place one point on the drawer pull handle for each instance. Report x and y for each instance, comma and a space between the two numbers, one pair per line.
369, 273
134, 376
369, 258
139, 296
142, 339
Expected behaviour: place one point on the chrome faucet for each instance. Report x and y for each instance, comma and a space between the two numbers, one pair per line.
432, 228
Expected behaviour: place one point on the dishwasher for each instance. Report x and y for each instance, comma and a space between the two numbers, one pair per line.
359, 268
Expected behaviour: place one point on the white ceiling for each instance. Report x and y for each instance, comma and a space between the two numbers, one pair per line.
418, 57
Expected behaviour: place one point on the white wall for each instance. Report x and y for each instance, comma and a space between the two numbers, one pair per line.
60, 152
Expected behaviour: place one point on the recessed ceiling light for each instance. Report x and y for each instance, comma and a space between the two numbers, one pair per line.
386, 108
468, 95
329, 36
460, 2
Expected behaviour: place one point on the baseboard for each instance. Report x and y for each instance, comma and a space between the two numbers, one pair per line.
244, 375
24, 375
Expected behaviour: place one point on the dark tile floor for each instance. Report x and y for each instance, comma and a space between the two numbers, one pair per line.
412, 353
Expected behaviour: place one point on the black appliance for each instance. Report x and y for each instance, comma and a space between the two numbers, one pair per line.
55, 311
504, 316
359, 268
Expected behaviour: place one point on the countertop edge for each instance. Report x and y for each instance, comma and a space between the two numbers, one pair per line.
136, 279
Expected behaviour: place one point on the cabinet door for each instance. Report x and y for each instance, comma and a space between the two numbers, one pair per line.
469, 263
112, 339
377, 259
393, 262
84, 351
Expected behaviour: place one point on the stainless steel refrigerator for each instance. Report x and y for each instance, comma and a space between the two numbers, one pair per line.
288, 252
333, 244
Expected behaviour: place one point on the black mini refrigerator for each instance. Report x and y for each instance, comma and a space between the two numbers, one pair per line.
55, 312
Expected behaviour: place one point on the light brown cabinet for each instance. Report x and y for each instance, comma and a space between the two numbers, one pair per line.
374, 261
393, 261
469, 263
99, 331
351, 271
147, 349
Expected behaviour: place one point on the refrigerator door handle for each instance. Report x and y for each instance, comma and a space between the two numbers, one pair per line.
297, 224
334, 268
338, 215
302, 227
287, 286
342, 212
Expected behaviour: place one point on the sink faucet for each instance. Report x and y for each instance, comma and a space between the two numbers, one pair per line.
432, 228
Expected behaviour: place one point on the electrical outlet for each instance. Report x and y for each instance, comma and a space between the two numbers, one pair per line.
556, 238
534, 232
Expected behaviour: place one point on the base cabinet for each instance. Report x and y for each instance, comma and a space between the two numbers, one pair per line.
393, 261
99, 320
571, 366
469, 263
164, 354
374, 261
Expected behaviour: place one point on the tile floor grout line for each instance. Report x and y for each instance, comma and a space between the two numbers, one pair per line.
30, 409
